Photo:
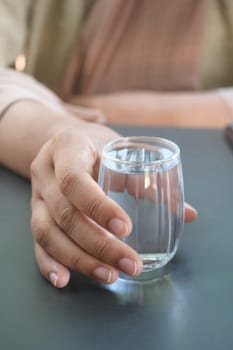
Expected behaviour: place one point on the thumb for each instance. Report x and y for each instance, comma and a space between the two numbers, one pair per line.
190, 213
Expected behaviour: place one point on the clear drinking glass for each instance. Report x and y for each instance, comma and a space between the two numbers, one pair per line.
144, 176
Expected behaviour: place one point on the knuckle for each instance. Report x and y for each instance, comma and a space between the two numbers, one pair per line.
75, 262
66, 218
93, 208
67, 182
102, 248
40, 232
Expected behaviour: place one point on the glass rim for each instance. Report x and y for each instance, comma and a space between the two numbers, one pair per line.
134, 139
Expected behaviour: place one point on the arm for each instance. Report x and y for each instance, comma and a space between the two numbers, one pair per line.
61, 153
178, 109
31, 111
24, 128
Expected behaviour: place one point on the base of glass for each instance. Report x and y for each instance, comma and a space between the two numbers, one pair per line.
145, 277
145, 289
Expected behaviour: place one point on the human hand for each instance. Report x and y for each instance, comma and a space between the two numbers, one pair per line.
73, 221
71, 217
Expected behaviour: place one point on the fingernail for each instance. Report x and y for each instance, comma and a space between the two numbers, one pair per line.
128, 266
118, 226
53, 278
103, 274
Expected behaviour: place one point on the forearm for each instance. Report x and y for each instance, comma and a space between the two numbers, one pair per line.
24, 128
205, 109
15, 86
29, 115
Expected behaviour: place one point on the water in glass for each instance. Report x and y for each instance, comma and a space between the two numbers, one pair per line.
146, 180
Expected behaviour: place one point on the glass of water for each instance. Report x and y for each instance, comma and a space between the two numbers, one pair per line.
144, 176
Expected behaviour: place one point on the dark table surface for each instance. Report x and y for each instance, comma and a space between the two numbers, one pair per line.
190, 307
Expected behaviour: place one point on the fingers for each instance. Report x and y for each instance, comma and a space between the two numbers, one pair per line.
71, 217
81, 190
58, 246
52, 270
85, 194
171, 196
89, 236
142, 186
190, 213
68, 237
73, 169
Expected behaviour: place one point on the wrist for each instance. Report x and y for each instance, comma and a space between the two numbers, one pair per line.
25, 127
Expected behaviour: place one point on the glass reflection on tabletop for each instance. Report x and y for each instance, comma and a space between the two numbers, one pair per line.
163, 285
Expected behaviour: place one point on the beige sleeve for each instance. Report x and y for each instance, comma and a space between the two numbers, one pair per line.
15, 86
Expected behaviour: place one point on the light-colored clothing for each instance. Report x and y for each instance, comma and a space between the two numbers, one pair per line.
149, 45
47, 32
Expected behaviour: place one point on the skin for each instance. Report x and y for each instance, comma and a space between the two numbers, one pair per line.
73, 221
175, 109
